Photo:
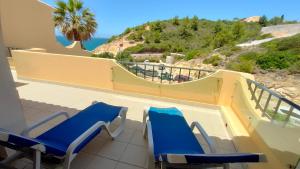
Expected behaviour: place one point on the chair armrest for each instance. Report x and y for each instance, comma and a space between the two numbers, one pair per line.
119, 130
205, 135
43, 121
213, 158
69, 154
15, 141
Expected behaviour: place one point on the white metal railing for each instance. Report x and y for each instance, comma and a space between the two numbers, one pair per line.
288, 114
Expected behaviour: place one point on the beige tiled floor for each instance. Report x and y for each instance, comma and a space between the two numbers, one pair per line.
129, 150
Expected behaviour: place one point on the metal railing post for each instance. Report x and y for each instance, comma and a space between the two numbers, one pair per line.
253, 93
170, 74
266, 105
161, 74
136, 69
289, 114
145, 68
277, 108
189, 74
179, 76
199, 74
153, 73
259, 98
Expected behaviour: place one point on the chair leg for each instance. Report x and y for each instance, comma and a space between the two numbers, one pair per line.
67, 163
3, 166
121, 128
163, 165
151, 163
37, 160
226, 166
145, 115
15, 156
145, 131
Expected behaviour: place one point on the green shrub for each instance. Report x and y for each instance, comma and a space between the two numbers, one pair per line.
244, 62
238, 30
104, 55
128, 30
215, 60
124, 56
246, 66
285, 44
264, 36
229, 50
112, 39
290, 43
191, 55
277, 60
175, 21
157, 26
263, 21
295, 68
135, 49
223, 38
249, 56
136, 36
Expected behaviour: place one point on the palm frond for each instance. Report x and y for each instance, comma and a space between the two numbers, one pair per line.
78, 5
70, 6
61, 4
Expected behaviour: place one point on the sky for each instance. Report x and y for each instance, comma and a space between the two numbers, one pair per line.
114, 16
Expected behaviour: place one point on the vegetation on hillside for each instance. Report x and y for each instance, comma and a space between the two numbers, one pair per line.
276, 20
280, 54
106, 55
215, 43
191, 36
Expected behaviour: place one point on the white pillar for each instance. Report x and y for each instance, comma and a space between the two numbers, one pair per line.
12, 117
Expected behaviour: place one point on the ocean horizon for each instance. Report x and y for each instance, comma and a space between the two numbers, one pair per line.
90, 45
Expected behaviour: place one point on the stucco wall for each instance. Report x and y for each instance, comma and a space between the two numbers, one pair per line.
66, 69
28, 24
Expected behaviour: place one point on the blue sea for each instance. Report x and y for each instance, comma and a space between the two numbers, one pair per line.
89, 45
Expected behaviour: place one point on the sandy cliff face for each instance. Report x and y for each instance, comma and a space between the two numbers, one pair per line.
116, 46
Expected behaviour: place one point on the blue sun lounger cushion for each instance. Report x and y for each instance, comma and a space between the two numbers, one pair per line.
58, 139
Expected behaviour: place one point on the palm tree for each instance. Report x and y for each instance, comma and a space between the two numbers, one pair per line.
75, 22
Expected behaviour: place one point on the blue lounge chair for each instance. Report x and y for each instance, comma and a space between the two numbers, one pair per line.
173, 144
66, 139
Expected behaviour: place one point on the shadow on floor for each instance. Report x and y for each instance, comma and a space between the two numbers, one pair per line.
100, 150
19, 84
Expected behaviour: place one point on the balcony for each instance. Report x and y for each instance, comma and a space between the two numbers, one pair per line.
224, 102
129, 150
